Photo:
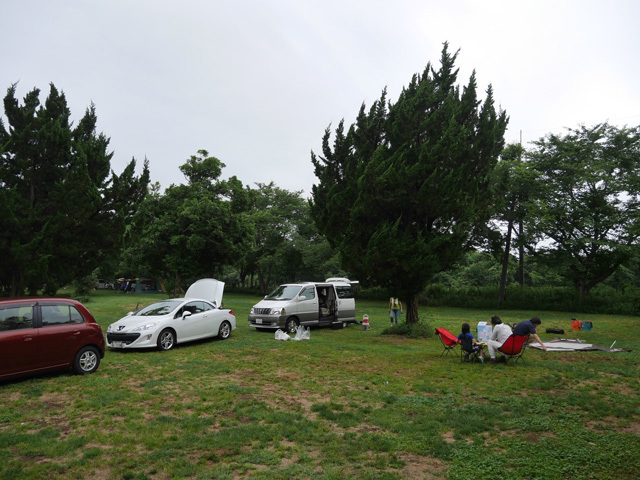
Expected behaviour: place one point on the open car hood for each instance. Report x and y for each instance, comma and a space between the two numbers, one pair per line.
206, 289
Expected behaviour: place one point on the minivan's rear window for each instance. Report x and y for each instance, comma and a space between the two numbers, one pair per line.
344, 291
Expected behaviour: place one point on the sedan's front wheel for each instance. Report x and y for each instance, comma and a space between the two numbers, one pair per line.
166, 339
225, 330
87, 360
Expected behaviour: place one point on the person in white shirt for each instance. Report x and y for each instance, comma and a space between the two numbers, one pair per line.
501, 331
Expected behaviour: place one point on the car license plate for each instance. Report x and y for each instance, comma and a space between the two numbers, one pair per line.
259, 321
117, 344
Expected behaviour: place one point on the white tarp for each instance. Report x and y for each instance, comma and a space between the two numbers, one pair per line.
571, 345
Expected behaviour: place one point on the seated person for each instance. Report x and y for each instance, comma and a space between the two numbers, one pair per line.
469, 343
499, 334
528, 327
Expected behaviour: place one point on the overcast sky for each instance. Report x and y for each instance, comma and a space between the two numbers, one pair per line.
256, 82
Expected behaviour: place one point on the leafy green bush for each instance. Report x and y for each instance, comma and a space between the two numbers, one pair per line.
415, 330
83, 287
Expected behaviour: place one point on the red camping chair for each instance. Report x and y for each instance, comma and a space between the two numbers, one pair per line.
514, 347
448, 339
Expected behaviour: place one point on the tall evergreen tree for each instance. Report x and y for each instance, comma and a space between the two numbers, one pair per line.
404, 192
63, 211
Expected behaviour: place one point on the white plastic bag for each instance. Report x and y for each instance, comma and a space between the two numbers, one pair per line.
280, 335
302, 333
298, 333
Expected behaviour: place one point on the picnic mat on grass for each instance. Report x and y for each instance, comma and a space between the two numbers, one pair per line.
572, 345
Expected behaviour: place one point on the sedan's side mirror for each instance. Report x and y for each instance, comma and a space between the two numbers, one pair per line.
186, 314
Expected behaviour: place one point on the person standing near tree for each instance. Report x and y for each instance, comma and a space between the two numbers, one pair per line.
395, 309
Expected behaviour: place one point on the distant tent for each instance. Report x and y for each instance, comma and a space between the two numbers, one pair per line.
141, 285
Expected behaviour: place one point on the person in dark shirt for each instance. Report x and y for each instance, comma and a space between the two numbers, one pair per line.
528, 327
469, 343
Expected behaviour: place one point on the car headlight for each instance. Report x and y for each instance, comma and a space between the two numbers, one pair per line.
109, 329
277, 311
144, 327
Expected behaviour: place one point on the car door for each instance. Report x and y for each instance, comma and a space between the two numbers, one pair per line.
308, 306
196, 325
61, 334
18, 340
346, 303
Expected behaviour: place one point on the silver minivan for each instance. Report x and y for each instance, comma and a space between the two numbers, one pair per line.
307, 304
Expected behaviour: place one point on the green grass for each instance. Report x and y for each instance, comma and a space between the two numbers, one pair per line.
345, 404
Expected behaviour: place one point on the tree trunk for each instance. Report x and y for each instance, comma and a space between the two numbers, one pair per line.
521, 255
505, 264
582, 292
261, 281
177, 288
411, 309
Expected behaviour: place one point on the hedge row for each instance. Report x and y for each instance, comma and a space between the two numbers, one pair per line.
601, 300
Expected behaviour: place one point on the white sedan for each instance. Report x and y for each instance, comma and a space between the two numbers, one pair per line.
178, 320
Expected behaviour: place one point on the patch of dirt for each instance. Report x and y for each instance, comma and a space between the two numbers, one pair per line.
612, 383
448, 437
613, 423
419, 467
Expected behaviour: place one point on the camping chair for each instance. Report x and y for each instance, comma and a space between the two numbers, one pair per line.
467, 352
448, 339
514, 347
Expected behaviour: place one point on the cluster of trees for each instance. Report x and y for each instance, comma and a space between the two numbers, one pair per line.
574, 200
412, 186
63, 210
67, 216
214, 227
413, 193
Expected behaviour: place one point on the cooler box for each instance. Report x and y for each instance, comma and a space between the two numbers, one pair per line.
484, 332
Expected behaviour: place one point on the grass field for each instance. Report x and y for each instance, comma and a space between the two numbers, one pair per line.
345, 404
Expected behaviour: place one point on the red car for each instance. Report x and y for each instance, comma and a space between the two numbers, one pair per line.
42, 334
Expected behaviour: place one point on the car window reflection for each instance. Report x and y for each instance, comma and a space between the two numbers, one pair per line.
60, 315
16, 318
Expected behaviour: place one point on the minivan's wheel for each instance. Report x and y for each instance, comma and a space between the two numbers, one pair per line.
291, 326
225, 330
87, 360
166, 339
